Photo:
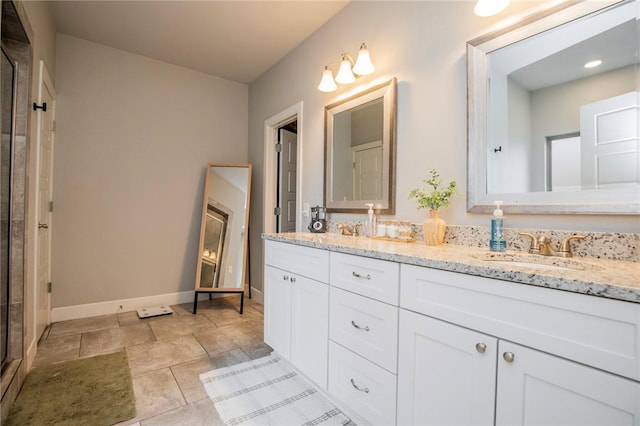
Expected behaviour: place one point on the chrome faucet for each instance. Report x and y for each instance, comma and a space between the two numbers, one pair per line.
542, 245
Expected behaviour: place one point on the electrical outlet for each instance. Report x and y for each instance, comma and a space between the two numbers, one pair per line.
305, 210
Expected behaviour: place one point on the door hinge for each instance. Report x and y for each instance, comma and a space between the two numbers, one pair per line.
276, 211
50, 206
49, 285
278, 147
53, 126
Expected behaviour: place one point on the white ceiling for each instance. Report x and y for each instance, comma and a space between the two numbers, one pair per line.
236, 40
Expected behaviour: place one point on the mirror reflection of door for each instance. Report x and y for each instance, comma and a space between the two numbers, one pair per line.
563, 163
287, 170
611, 153
213, 251
367, 171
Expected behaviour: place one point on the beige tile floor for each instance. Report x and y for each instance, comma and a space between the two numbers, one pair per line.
166, 354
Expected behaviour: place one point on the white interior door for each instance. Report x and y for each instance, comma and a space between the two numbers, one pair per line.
611, 142
287, 181
367, 171
44, 137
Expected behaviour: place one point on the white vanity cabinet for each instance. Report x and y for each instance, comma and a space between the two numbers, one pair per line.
363, 333
398, 343
296, 306
457, 353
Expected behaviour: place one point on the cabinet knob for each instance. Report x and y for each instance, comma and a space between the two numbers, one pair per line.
293, 279
365, 390
508, 356
481, 347
285, 277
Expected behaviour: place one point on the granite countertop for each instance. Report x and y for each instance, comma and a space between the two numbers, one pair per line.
613, 279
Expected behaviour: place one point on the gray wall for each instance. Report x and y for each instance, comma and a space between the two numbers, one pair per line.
423, 45
134, 136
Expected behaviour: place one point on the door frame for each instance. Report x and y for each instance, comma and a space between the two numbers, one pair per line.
44, 79
271, 126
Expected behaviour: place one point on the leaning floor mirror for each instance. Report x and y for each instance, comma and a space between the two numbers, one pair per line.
223, 246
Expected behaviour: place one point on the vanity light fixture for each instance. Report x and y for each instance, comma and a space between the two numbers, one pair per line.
593, 64
349, 70
490, 7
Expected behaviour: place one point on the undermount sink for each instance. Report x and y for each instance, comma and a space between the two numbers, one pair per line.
531, 261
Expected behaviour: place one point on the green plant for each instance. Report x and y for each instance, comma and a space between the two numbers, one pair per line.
435, 198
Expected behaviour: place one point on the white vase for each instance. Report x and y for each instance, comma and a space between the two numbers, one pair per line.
433, 229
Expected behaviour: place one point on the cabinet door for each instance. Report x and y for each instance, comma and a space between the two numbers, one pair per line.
446, 373
535, 388
310, 328
277, 310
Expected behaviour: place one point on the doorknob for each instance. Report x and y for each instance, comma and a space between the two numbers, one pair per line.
43, 225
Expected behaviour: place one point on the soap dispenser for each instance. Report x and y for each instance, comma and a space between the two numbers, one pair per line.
497, 242
371, 221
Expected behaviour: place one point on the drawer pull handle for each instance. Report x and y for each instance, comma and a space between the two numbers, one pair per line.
357, 275
359, 327
365, 390
508, 356
481, 347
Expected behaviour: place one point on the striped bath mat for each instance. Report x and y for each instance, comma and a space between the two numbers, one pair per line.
268, 391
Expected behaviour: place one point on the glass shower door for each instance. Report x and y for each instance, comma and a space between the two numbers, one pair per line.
8, 75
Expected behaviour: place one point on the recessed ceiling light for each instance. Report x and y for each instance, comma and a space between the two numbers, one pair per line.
592, 64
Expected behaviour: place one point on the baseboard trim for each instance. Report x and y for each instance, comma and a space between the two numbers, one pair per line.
66, 313
31, 353
257, 295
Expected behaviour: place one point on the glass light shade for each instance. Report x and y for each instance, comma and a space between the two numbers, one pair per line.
490, 7
345, 75
363, 65
327, 84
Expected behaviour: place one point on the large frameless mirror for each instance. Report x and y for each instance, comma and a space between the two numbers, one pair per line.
360, 134
553, 112
223, 248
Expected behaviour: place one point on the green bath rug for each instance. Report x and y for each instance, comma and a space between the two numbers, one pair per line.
91, 391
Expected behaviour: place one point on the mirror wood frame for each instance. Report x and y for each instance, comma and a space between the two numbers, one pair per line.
478, 200
245, 237
386, 91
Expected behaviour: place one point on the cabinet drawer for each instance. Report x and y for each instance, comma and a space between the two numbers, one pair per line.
308, 262
377, 279
362, 386
595, 331
367, 327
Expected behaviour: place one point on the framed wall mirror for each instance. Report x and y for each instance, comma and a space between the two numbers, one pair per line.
548, 132
223, 246
360, 143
